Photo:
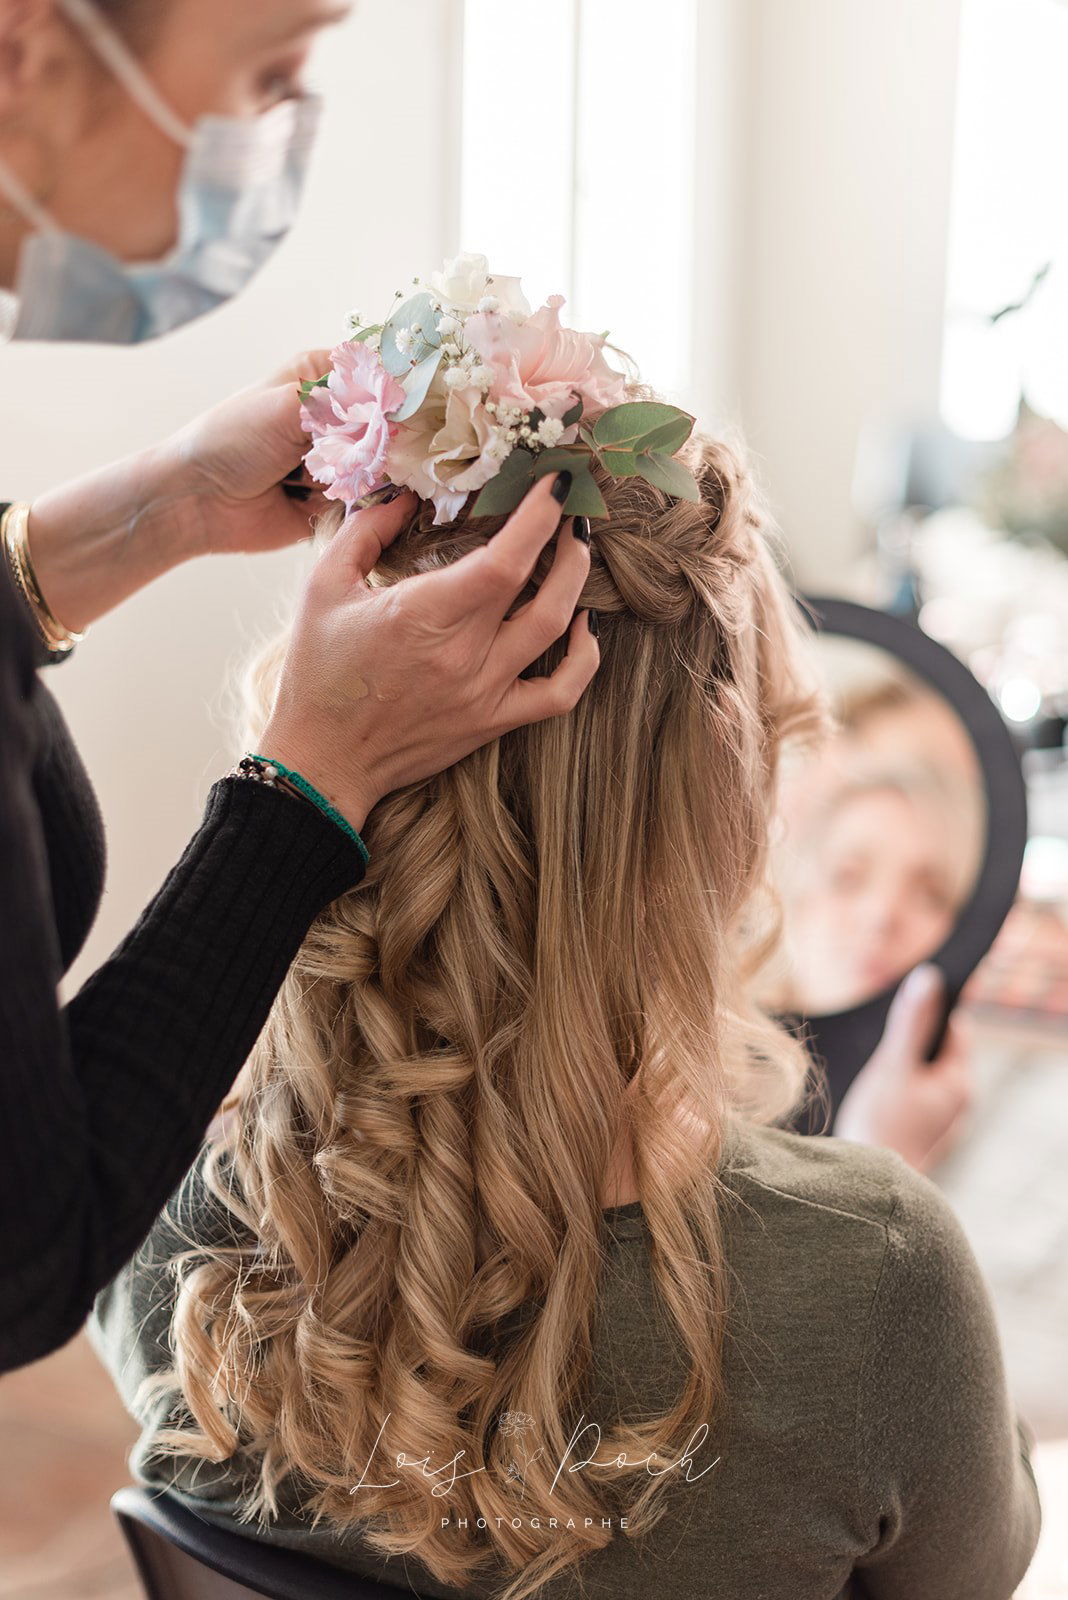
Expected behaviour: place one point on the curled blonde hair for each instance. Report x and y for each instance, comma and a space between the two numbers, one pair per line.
549, 954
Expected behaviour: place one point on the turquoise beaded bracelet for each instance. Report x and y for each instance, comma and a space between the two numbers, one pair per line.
268, 769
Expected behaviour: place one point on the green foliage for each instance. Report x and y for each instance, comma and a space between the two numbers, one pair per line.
308, 384
575, 412
418, 308
504, 492
639, 424
665, 473
415, 384
621, 463
639, 439
583, 498
671, 437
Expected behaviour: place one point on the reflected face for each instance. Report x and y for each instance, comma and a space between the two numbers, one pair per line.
880, 899
881, 837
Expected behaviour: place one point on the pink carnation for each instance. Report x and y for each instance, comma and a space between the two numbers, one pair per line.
347, 420
539, 363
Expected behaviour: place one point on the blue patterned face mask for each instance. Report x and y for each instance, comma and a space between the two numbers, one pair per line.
238, 194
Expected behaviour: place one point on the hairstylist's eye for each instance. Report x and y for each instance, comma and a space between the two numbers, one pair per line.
282, 82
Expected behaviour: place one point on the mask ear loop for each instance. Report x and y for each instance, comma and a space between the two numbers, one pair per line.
21, 200
115, 54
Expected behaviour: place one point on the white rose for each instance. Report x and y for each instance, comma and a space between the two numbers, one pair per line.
466, 279
511, 301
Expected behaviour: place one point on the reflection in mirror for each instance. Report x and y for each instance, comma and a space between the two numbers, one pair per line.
880, 836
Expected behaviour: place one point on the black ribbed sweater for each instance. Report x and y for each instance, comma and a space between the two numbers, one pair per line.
104, 1101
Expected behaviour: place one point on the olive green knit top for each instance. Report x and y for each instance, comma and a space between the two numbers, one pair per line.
869, 1446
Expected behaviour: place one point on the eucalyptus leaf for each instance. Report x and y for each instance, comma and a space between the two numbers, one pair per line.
621, 463
669, 475
504, 492
415, 385
558, 459
671, 437
418, 308
584, 499
308, 384
629, 424
575, 412
394, 361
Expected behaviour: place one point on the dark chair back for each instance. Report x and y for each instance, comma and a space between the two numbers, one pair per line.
179, 1556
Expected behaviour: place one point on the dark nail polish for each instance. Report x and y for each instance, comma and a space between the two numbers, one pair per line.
580, 527
562, 486
297, 491
593, 623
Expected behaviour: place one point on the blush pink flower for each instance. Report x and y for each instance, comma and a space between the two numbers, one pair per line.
347, 420
539, 363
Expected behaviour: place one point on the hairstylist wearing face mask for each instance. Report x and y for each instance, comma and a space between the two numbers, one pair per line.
143, 179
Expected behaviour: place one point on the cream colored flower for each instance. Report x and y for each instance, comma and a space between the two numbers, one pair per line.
451, 447
466, 280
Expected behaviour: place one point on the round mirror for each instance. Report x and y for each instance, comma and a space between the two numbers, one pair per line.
880, 836
900, 842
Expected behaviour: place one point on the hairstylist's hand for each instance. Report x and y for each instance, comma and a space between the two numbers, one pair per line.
898, 1099
228, 463
214, 486
385, 686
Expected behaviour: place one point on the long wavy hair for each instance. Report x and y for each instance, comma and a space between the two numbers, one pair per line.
549, 954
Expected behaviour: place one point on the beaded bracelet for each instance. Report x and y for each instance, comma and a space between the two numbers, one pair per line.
263, 770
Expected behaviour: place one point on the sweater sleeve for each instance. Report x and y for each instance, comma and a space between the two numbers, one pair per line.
944, 1472
105, 1101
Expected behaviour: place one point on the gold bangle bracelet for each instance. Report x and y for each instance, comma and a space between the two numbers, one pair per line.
14, 531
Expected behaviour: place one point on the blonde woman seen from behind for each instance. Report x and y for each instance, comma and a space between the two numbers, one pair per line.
501, 1279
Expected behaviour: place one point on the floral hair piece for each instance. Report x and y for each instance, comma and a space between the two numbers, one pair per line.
464, 388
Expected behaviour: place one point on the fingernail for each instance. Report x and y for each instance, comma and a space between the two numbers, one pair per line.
297, 491
593, 622
391, 493
561, 486
580, 527
921, 982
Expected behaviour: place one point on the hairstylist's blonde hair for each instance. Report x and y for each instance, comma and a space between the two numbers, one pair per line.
551, 945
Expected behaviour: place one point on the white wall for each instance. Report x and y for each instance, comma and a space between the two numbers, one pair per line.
837, 187
144, 692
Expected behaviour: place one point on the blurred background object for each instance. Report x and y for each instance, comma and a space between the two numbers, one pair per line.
837, 226
883, 835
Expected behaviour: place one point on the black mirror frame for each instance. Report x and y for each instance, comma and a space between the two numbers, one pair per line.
843, 1041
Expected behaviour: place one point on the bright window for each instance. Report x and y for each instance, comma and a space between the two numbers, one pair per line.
1009, 219
577, 164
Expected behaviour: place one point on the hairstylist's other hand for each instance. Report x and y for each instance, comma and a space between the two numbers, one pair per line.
228, 463
213, 486
385, 686
899, 1100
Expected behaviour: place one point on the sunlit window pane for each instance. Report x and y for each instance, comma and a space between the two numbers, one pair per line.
578, 165
1009, 218
518, 140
